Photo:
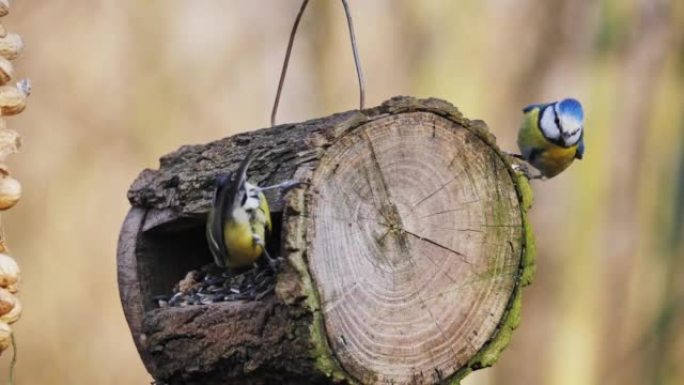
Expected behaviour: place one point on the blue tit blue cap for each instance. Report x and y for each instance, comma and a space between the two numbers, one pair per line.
571, 107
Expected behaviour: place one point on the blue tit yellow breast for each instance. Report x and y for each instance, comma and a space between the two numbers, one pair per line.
554, 159
549, 158
240, 244
246, 234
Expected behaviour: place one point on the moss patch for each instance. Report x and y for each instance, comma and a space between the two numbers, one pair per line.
489, 354
530, 253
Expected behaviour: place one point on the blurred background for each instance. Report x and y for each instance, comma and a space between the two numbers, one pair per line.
117, 84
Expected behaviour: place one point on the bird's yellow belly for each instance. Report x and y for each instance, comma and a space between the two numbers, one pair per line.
242, 250
554, 159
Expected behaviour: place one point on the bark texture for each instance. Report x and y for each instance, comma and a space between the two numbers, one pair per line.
404, 254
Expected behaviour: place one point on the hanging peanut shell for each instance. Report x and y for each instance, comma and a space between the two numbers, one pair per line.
12, 99
10, 275
11, 46
14, 314
10, 142
7, 302
4, 7
6, 71
5, 336
10, 191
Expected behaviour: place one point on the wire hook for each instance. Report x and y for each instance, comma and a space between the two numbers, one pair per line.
288, 52
287, 60
357, 61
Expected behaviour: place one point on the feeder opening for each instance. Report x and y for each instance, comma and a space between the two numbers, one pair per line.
171, 250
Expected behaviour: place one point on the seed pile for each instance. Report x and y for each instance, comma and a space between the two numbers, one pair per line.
211, 284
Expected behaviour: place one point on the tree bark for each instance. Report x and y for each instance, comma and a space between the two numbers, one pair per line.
404, 254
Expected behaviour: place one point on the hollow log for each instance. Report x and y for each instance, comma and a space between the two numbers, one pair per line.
403, 255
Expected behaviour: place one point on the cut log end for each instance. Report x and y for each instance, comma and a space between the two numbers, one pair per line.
414, 243
405, 255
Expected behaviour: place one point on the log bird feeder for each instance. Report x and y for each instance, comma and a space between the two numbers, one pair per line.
403, 255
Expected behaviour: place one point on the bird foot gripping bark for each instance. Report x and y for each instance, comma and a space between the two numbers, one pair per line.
520, 166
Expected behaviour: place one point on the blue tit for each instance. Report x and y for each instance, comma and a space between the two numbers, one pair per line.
239, 222
552, 135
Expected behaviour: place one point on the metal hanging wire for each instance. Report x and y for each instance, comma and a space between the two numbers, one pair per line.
286, 61
355, 51
357, 61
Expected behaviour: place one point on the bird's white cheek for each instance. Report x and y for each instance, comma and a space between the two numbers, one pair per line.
548, 124
574, 138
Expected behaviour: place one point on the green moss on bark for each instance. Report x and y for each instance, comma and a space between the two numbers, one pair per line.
530, 253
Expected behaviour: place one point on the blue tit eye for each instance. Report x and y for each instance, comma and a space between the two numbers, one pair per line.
557, 121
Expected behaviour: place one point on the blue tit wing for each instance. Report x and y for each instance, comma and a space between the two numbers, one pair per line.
531, 141
216, 219
532, 107
580, 148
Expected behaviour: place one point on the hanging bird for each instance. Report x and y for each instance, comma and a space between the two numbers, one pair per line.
239, 222
552, 136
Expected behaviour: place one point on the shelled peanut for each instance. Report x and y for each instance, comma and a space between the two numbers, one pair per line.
12, 101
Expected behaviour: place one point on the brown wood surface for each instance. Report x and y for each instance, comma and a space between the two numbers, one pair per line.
414, 245
402, 253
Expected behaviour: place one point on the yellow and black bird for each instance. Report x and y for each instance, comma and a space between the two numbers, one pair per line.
551, 136
239, 222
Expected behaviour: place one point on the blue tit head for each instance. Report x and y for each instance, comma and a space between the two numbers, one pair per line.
562, 122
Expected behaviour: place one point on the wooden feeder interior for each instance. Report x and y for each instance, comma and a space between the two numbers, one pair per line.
169, 251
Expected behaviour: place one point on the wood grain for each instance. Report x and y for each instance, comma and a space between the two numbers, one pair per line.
414, 244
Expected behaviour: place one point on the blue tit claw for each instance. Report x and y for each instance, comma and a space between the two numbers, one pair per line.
521, 168
273, 263
520, 165
538, 176
512, 155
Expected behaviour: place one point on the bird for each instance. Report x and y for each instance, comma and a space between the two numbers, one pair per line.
551, 136
239, 221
